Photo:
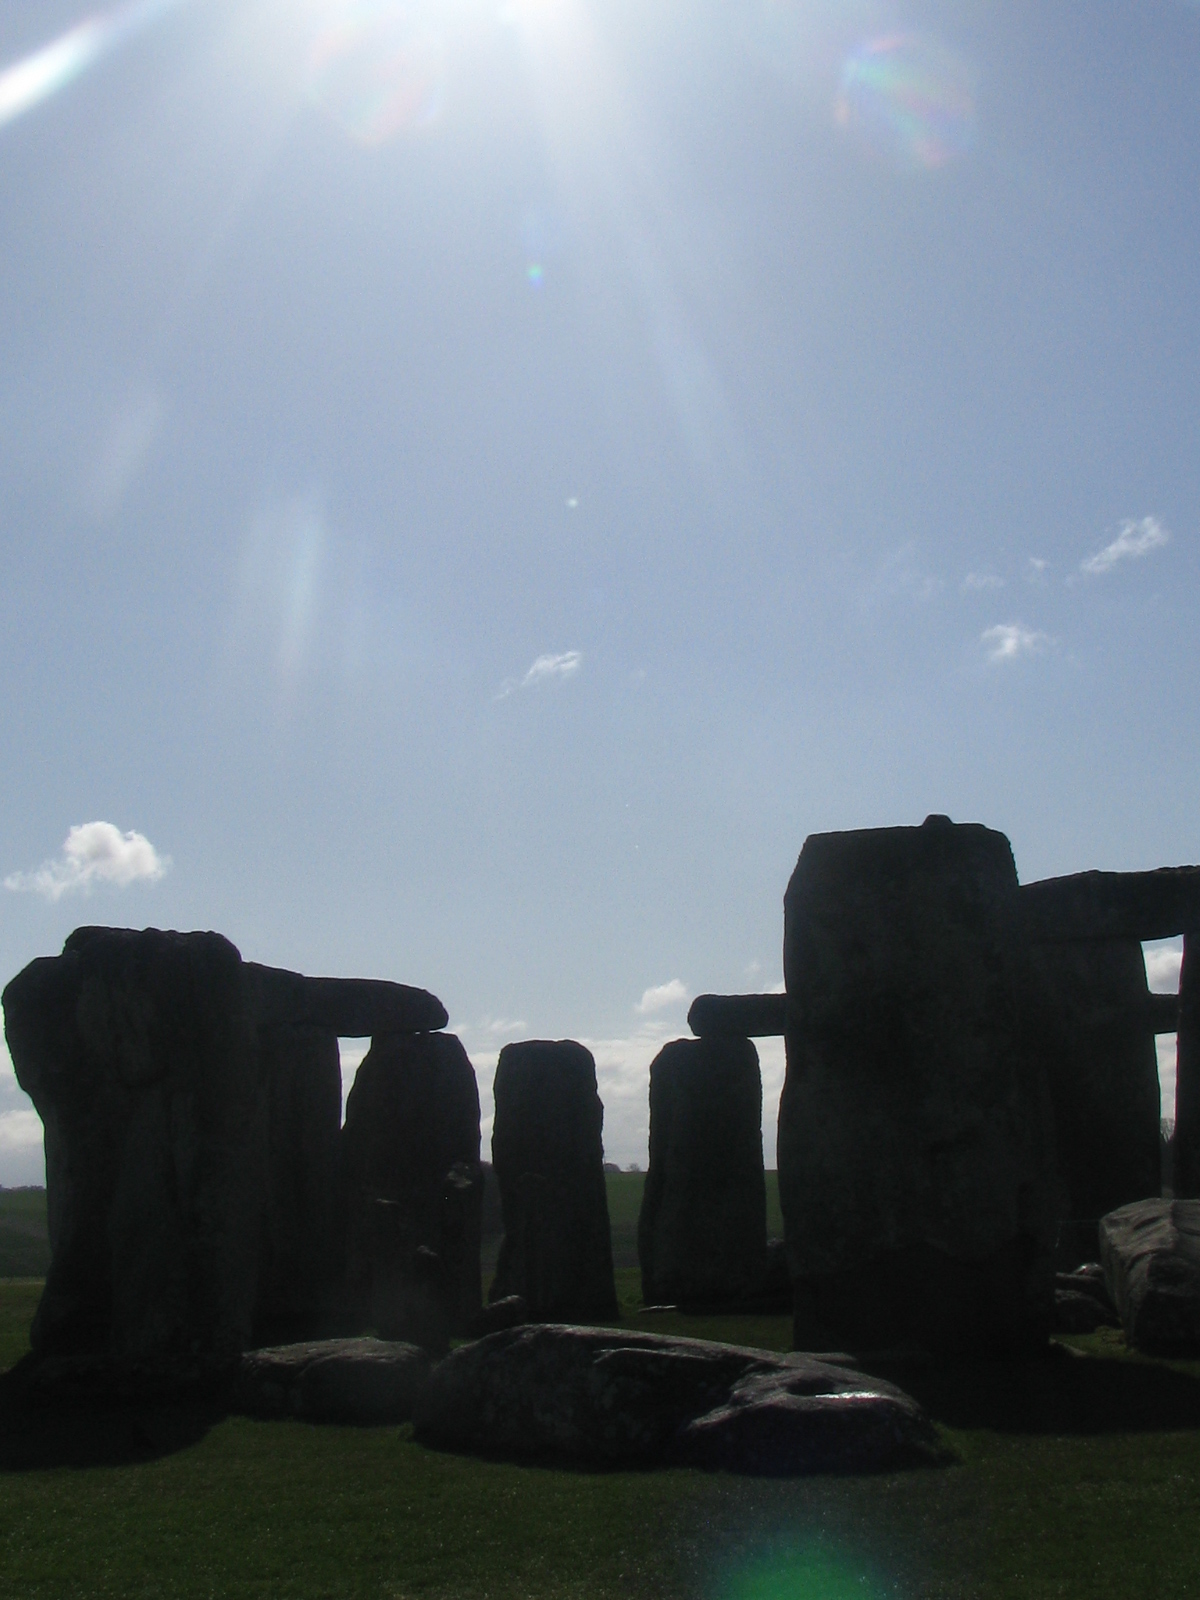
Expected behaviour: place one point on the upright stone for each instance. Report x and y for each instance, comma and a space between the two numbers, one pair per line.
916, 1161
702, 1231
1187, 1073
548, 1155
1089, 1017
140, 1054
300, 1272
413, 1184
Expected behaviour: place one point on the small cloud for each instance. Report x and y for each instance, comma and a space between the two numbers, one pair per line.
504, 1025
94, 852
661, 997
1036, 568
1136, 539
975, 582
545, 667
1162, 967
1008, 640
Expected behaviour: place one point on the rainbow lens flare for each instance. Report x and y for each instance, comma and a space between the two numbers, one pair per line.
26, 83
379, 70
911, 99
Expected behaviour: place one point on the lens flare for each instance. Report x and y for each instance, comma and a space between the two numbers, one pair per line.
911, 99
797, 1575
378, 70
26, 83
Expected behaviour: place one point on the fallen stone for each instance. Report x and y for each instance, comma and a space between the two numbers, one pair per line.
702, 1229
508, 1312
1151, 1257
332, 1380
741, 1016
598, 1397
916, 1146
1076, 1311
548, 1157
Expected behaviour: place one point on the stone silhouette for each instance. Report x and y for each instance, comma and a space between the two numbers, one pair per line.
702, 1231
413, 1187
191, 1105
916, 1153
1088, 1015
744, 1016
548, 1155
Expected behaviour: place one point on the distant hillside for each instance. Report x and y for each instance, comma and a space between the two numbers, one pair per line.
24, 1247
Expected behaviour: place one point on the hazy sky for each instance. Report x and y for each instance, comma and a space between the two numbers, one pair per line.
480, 483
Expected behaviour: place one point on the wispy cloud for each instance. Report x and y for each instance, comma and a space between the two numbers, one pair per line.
1136, 539
93, 852
1036, 568
1162, 967
545, 667
975, 582
661, 997
1008, 640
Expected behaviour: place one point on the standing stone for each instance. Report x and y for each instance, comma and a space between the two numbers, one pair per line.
140, 1054
916, 1160
300, 1271
1187, 1073
1088, 1016
548, 1155
413, 1184
702, 1232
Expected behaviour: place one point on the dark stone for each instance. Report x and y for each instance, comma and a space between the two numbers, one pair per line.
916, 1157
548, 1155
300, 1271
413, 1187
1187, 1074
1151, 1257
1087, 1016
1075, 1312
1112, 905
355, 1008
510, 1312
332, 1380
608, 1398
140, 1053
702, 1231
744, 1016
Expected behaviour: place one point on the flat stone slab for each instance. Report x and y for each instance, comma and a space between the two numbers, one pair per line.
1151, 1256
1112, 905
606, 1398
745, 1016
352, 1007
332, 1380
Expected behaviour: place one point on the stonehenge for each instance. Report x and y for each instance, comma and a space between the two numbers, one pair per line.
971, 1078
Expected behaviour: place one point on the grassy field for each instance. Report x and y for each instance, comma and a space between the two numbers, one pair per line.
24, 1248
1078, 1476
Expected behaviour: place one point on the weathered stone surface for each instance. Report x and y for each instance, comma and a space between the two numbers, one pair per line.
1087, 1016
413, 1185
301, 1265
916, 1160
548, 1156
332, 1380
608, 1398
1112, 905
1187, 1074
742, 1016
1151, 1257
702, 1230
355, 1008
140, 1054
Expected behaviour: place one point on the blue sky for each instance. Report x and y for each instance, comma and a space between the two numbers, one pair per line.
480, 483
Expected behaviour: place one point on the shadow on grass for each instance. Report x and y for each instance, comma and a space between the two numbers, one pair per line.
37, 1433
1063, 1392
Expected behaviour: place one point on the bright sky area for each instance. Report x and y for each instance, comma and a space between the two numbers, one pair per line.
482, 480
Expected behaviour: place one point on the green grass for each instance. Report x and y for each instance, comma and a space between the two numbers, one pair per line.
1078, 1476
24, 1246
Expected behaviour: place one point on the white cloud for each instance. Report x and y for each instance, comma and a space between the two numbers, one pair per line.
1036, 568
1135, 539
1008, 640
661, 997
93, 852
1162, 966
974, 582
545, 667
